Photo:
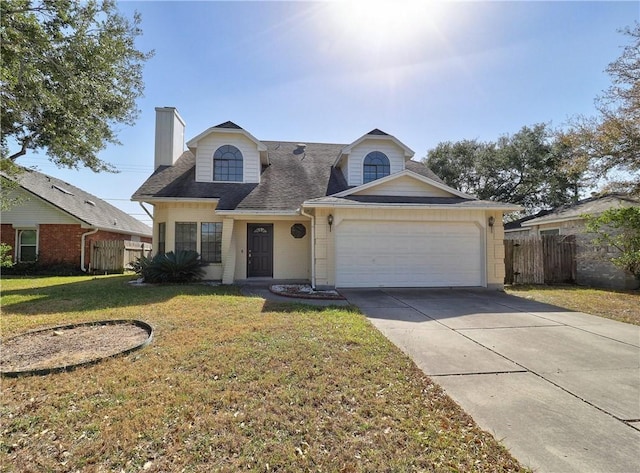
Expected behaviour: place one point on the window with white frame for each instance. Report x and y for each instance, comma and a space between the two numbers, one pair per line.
227, 164
376, 165
27, 245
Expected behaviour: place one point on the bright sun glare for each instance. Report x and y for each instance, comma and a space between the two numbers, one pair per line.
384, 25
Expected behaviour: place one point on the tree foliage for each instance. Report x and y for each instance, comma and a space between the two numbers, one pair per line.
525, 168
620, 228
610, 141
70, 74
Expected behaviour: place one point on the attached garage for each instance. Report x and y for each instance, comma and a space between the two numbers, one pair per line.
409, 254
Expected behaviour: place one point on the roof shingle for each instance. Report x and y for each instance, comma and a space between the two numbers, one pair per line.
79, 203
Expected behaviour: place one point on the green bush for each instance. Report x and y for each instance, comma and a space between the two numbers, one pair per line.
6, 261
180, 267
34, 268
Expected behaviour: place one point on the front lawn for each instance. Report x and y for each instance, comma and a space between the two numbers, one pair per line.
229, 383
623, 306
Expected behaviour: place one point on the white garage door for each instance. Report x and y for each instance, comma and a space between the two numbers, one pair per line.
408, 254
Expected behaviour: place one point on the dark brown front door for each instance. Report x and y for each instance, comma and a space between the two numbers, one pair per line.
259, 250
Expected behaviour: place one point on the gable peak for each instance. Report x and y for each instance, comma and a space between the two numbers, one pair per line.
378, 132
228, 124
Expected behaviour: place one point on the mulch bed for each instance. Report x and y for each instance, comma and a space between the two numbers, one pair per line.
59, 348
304, 291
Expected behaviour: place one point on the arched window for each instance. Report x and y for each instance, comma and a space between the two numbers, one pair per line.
227, 164
376, 165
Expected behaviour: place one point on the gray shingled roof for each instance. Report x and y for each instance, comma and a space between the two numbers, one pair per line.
592, 206
295, 174
80, 204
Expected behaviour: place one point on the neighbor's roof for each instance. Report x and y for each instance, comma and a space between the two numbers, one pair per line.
591, 206
79, 204
295, 174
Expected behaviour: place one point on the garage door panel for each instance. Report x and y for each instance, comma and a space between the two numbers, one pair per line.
405, 254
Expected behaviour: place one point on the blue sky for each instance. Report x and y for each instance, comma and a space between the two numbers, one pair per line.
425, 72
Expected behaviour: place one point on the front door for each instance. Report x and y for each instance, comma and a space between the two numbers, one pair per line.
259, 250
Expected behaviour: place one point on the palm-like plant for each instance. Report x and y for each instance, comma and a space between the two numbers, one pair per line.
180, 267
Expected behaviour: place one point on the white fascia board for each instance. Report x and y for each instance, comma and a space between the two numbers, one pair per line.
536, 221
151, 200
360, 205
193, 142
262, 213
408, 152
406, 172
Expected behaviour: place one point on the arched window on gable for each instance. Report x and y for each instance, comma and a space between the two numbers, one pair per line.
227, 164
376, 165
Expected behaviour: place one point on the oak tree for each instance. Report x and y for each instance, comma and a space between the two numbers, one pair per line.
70, 75
524, 168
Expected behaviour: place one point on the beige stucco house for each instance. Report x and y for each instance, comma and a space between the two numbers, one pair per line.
336, 215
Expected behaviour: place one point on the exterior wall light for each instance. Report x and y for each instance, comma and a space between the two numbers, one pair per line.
492, 221
330, 220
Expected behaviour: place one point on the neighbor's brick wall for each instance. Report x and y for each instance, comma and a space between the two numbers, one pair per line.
594, 268
60, 244
8, 236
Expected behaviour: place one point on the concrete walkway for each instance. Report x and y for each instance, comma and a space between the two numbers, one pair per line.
561, 390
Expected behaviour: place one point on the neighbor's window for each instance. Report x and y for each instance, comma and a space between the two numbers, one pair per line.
227, 164
162, 237
376, 165
186, 236
27, 245
553, 231
211, 242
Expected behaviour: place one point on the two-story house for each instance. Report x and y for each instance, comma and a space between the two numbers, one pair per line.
361, 214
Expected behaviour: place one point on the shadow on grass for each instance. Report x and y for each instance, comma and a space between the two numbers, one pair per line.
289, 307
97, 293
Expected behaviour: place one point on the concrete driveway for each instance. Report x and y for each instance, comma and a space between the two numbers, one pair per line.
561, 390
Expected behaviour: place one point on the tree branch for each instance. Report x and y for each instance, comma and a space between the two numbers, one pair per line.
23, 150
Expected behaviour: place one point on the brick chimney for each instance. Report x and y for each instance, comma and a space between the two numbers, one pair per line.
169, 136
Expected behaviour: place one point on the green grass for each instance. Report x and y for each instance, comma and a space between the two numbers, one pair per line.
229, 383
623, 306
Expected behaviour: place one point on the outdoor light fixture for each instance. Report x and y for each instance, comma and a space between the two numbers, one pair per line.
492, 220
330, 220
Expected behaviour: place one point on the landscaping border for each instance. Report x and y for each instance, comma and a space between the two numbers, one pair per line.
44, 371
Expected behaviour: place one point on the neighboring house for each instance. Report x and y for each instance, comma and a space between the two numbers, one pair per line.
593, 266
55, 222
336, 215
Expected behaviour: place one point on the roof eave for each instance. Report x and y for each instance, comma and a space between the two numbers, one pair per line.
356, 205
151, 199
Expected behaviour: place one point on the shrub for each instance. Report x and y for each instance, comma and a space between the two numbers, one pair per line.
619, 228
6, 261
180, 267
34, 268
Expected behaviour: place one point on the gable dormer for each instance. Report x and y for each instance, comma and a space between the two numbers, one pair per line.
372, 156
228, 153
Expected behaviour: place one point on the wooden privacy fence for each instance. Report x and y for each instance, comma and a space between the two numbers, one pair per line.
540, 260
116, 255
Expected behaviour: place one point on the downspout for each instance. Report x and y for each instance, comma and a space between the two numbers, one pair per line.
313, 247
82, 245
145, 210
